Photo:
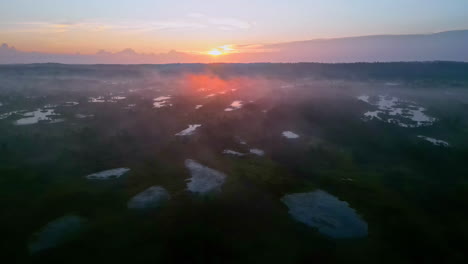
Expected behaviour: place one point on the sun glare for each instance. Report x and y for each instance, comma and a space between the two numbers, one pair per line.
221, 50
215, 52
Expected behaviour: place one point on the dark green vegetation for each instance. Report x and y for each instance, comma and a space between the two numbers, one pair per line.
412, 194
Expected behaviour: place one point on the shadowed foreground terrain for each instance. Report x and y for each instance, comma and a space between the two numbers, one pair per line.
234, 163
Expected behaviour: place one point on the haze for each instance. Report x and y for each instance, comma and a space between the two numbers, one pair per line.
250, 131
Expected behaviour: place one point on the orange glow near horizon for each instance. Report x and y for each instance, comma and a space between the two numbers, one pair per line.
212, 85
207, 82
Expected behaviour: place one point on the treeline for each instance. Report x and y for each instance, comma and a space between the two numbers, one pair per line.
452, 72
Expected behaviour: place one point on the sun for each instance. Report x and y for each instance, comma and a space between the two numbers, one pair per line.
221, 50
215, 52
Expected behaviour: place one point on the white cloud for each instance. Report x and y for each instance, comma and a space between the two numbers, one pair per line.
230, 23
175, 25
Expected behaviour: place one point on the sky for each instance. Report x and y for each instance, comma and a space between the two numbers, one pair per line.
212, 26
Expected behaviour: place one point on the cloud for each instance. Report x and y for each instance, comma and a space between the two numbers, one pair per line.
9, 55
175, 25
52, 27
134, 26
230, 23
223, 23
5, 49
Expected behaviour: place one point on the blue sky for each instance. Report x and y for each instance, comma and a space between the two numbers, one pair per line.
196, 25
